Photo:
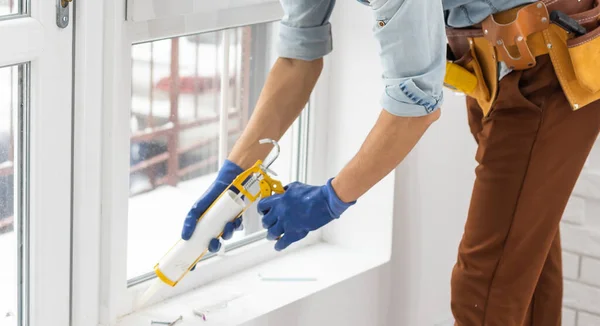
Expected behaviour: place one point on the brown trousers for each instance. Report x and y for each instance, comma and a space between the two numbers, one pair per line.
531, 149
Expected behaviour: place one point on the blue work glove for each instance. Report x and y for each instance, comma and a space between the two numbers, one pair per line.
228, 172
300, 209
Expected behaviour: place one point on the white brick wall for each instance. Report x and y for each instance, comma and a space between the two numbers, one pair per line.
568, 317
570, 265
590, 270
580, 231
586, 319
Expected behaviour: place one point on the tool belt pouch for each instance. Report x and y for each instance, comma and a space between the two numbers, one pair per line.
511, 36
477, 77
576, 60
513, 33
465, 75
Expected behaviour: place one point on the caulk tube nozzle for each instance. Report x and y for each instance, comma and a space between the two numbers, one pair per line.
156, 286
176, 263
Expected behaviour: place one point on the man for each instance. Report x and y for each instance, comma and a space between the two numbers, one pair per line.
532, 143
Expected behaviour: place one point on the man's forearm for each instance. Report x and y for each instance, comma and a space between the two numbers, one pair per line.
388, 143
283, 97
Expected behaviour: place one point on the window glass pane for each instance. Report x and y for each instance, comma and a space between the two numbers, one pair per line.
10, 7
175, 113
11, 226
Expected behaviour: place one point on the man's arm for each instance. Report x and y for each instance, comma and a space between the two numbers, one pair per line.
283, 97
412, 41
388, 143
412, 51
304, 39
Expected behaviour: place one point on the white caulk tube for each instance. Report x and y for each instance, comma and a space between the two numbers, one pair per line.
181, 258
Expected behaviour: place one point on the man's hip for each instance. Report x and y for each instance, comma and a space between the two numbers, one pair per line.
514, 39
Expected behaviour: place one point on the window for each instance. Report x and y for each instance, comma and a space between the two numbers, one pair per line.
13, 229
180, 81
181, 88
35, 164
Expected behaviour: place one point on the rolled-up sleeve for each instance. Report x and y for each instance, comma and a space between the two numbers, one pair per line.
412, 43
304, 30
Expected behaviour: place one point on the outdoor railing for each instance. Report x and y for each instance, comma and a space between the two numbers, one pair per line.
172, 129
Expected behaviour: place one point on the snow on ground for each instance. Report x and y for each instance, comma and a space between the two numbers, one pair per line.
6, 10
8, 278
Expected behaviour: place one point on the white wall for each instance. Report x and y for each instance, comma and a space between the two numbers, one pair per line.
580, 231
433, 189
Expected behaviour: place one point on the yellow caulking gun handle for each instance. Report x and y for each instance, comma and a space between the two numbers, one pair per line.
268, 186
237, 182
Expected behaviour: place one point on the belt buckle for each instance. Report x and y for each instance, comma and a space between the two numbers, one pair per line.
508, 34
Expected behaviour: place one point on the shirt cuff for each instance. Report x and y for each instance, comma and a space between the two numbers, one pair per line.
406, 99
304, 43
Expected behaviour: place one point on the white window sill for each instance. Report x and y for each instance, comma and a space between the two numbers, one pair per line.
244, 296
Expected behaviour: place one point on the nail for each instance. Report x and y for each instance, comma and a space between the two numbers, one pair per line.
169, 323
176, 320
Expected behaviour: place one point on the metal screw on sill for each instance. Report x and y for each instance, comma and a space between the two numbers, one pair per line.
544, 19
540, 5
485, 32
549, 45
520, 38
168, 323
500, 42
576, 106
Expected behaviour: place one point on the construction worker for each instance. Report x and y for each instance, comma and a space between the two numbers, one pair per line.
532, 109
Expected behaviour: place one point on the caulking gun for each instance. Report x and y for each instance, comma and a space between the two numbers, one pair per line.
180, 259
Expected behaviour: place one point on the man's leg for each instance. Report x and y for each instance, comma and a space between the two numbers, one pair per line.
547, 298
549, 290
531, 150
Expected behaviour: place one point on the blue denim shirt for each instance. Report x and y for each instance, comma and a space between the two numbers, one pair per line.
411, 37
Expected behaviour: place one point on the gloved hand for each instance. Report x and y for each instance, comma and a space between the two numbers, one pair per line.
228, 172
300, 209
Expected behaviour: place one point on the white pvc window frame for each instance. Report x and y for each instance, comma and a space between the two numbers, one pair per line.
34, 39
101, 161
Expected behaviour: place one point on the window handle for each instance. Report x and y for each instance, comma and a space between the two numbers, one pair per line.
62, 13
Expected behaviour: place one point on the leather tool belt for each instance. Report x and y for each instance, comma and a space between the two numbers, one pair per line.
516, 37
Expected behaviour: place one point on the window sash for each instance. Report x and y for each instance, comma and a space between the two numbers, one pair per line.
26, 38
47, 51
204, 21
